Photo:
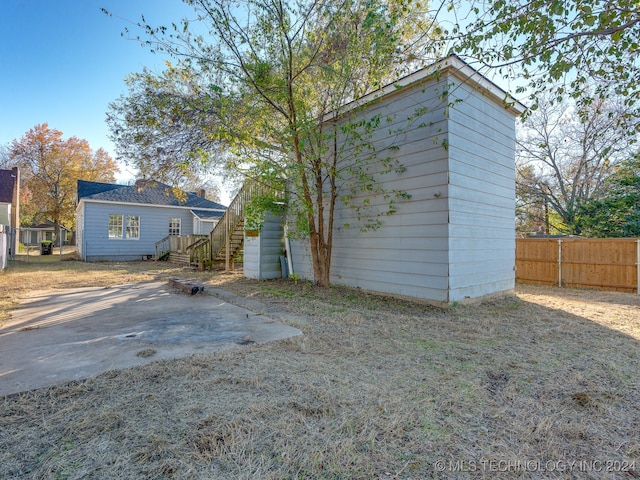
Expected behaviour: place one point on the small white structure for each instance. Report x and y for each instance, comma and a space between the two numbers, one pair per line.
454, 239
41, 232
9, 211
263, 250
4, 250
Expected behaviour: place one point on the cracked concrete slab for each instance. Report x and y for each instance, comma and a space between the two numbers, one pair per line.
75, 334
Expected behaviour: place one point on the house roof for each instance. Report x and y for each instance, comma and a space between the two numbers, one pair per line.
7, 184
207, 214
86, 189
46, 225
451, 64
144, 192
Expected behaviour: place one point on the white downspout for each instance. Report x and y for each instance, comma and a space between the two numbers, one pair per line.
287, 248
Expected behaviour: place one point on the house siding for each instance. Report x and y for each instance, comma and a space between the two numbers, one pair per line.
481, 196
408, 254
94, 244
5, 214
454, 238
262, 253
203, 227
80, 230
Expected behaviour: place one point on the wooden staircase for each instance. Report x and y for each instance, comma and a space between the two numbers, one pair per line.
176, 248
226, 240
179, 258
163, 249
224, 243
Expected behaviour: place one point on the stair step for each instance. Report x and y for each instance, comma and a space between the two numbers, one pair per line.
181, 258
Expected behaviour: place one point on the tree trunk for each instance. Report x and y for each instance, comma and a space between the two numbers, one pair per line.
321, 264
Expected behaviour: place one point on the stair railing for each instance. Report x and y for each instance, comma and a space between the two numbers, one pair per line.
199, 252
231, 220
163, 247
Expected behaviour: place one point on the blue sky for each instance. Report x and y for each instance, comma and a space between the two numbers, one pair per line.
63, 61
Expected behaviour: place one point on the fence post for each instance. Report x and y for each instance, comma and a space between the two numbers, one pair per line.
638, 265
559, 263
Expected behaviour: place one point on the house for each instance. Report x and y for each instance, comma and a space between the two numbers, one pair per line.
454, 238
35, 234
10, 209
124, 222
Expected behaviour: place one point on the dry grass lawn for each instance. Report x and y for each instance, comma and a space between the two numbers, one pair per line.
542, 384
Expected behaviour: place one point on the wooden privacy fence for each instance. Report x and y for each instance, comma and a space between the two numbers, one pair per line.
602, 263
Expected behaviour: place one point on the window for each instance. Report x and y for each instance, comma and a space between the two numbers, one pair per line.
133, 226
124, 226
174, 226
115, 226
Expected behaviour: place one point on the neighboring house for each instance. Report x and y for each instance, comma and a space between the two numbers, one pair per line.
121, 222
10, 197
36, 234
454, 238
10, 208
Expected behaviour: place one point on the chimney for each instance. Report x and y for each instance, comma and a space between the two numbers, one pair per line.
201, 192
141, 184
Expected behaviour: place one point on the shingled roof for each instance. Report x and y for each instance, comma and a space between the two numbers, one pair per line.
87, 189
206, 214
7, 184
144, 192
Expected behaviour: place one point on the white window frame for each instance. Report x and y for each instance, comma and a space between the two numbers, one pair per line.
172, 226
115, 226
123, 227
132, 227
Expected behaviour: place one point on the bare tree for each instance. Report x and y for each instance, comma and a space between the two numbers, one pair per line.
564, 156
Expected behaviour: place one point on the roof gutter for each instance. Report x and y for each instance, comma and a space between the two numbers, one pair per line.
452, 65
108, 202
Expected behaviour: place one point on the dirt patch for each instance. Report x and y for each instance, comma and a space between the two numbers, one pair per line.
543, 384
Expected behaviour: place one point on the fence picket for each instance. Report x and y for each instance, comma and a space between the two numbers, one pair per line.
601, 263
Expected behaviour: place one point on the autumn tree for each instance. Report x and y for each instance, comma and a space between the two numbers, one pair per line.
50, 167
264, 83
564, 156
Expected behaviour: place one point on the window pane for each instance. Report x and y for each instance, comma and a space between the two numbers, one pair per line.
115, 226
174, 226
133, 226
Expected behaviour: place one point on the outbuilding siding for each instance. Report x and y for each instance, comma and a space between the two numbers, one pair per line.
481, 196
454, 238
262, 253
408, 254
